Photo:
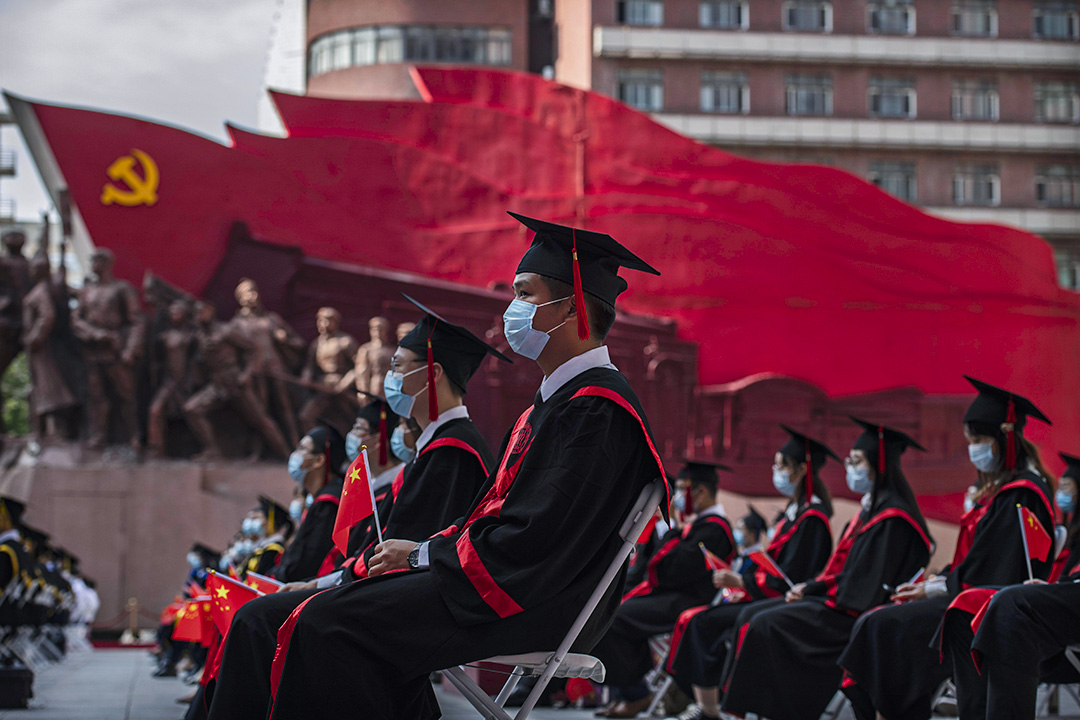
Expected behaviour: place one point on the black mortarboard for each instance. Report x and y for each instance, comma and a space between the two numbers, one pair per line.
381, 419
702, 472
803, 448
13, 507
754, 521
1073, 469
276, 515
35, 537
204, 550
452, 346
881, 441
329, 441
994, 407
588, 260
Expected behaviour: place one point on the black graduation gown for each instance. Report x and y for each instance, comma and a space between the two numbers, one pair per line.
678, 578
800, 546
784, 667
509, 577
264, 558
891, 657
309, 549
14, 561
643, 553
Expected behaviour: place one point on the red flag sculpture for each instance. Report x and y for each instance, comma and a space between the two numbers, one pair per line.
357, 502
227, 596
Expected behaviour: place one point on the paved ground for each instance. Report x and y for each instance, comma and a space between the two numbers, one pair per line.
116, 685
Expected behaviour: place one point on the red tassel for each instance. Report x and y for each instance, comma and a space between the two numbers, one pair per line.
382, 436
432, 396
1010, 436
881, 452
809, 476
579, 296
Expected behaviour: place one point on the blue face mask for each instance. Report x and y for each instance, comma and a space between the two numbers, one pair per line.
781, 480
296, 510
858, 479
352, 446
1065, 501
399, 402
739, 536
194, 560
982, 457
296, 470
397, 446
523, 338
679, 501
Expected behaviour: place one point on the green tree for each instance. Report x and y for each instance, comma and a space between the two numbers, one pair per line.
15, 388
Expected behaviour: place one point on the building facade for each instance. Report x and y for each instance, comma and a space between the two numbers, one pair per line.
968, 108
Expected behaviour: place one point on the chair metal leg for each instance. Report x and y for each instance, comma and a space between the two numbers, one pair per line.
472, 692
658, 695
510, 685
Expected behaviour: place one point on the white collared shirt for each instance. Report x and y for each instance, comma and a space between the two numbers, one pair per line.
385, 478
12, 534
717, 509
444, 417
597, 357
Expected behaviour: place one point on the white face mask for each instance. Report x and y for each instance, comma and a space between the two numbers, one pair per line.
781, 480
858, 479
969, 504
523, 338
983, 457
399, 402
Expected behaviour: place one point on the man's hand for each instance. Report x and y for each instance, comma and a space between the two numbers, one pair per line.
293, 586
795, 594
1035, 581
726, 579
390, 555
910, 591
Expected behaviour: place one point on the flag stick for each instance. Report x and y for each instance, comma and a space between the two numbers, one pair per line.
371, 494
1023, 537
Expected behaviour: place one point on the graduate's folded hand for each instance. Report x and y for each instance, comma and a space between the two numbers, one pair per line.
390, 555
910, 591
795, 594
1035, 581
726, 579
293, 586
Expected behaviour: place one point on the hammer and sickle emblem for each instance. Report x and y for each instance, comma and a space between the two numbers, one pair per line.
141, 189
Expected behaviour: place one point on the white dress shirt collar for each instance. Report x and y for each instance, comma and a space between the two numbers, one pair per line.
452, 414
597, 357
385, 478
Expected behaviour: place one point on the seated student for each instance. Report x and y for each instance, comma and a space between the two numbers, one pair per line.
276, 527
800, 546
318, 464
373, 428
647, 545
512, 574
784, 665
435, 487
892, 664
14, 560
679, 576
748, 532
1068, 560
200, 557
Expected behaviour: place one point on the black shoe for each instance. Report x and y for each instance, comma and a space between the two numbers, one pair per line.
165, 672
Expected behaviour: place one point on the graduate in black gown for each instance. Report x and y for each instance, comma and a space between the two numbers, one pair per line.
317, 463
375, 423
1065, 499
512, 574
892, 662
800, 546
439, 484
678, 577
784, 666
278, 528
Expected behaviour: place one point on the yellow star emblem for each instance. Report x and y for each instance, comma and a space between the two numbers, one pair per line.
355, 474
180, 614
222, 592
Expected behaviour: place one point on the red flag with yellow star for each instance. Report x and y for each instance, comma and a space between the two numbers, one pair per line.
263, 584
1037, 542
357, 502
188, 623
226, 597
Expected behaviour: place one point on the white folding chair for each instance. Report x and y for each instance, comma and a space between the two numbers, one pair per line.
657, 679
1051, 694
562, 663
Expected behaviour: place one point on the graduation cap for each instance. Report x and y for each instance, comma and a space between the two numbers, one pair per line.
1073, 463
13, 508
588, 260
452, 346
885, 441
332, 442
380, 419
35, 537
205, 551
995, 407
276, 514
754, 521
803, 448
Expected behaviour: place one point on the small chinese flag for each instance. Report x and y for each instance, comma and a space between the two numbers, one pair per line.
232, 573
712, 561
1036, 540
226, 597
263, 584
194, 589
766, 563
209, 632
357, 502
188, 623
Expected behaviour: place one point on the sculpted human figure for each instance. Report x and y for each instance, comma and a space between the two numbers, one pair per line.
272, 341
109, 323
49, 394
222, 347
14, 283
171, 364
373, 357
330, 364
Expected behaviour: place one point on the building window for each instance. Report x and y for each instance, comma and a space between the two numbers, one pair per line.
892, 97
1057, 185
808, 15
1056, 20
808, 95
403, 43
727, 14
977, 185
1057, 102
640, 12
895, 178
724, 92
1068, 262
891, 17
642, 89
975, 100
975, 17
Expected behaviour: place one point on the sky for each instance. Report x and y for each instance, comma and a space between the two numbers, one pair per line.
192, 63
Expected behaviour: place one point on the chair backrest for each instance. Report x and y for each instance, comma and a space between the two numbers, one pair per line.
640, 512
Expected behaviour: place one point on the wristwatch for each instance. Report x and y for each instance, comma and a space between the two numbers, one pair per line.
414, 558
